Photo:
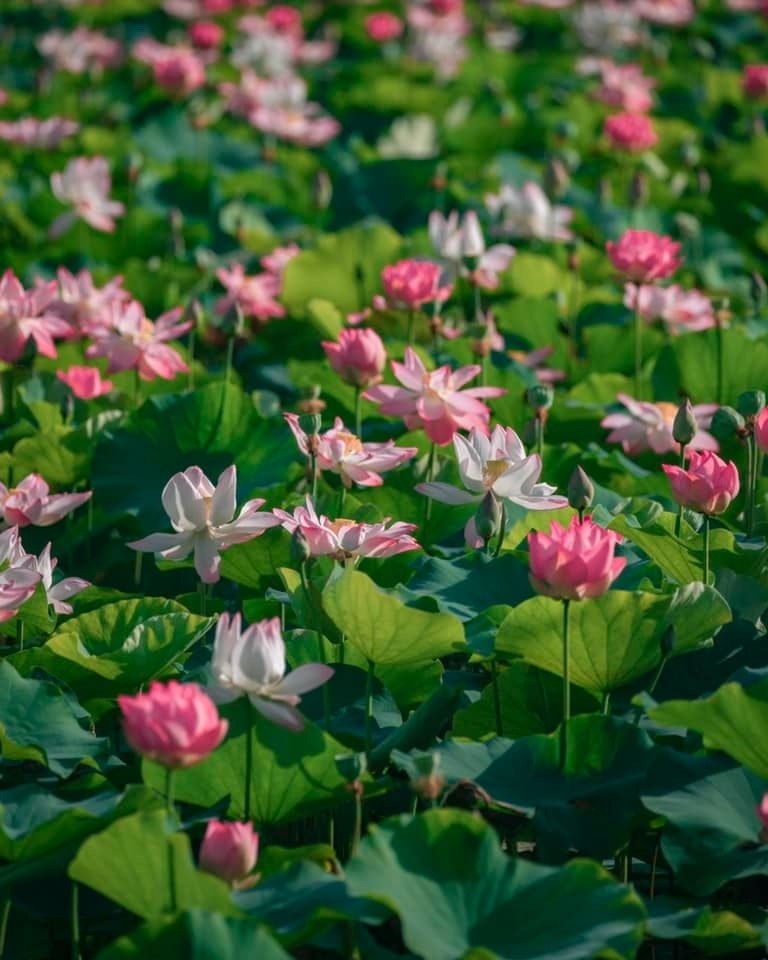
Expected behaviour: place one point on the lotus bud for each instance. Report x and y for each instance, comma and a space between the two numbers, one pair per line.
488, 517
581, 491
726, 423
750, 403
684, 424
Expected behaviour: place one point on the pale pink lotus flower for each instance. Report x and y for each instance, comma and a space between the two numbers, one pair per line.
251, 663
31, 503
746, 6
607, 25
276, 261
345, 539
58, 593
644, 256
17, 585
438, 29
668, 13
80, 50
177, 70
681, 310
383, 26
176, 725
203, 518
85, 184
755, 81
460, 245
630, 132
528, 212
229, 850
206, 34
489, 337
648, 426
576, 562
133, 342
497, 464
340, 451
28, 314
410, 284
41, 134
707, 486
536, 361
433, 400
761, 430
254, 295
85, 382
625, 87
548, 4
358, 357
86, 307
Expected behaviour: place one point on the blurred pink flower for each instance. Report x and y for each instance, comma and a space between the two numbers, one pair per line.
31, 502
755, 81
178, 70
132, 341
229, 850
669, 13
85, 184
761, 430
79, 51
203, 516
434, 400
341, 452
28, 314
708, 485
644, 256
576, 562
58, 593
206, 34
276, 261
409, 284
16, 587
681, 310
85, 382
383, 26
176, 725
648, 426
536, 359
630, 132
86, 307
42, 134
625, 87
358, 357
345, 539
254, 295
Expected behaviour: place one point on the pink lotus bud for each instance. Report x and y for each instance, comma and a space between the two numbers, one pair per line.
174, 724
284, 19
359, 356
708, 485
761, 429
630, 132
206, 35
229, 850
85, 382
755, 81
643, 256
575, 562
412, 283
179, 73
383, 26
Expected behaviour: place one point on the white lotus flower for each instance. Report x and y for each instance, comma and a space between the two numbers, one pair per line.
527, 212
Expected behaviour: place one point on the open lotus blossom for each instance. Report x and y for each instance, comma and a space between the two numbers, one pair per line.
644, 256
669, 13
576, 562
41, 134
85, 382
682, 311
341, 452
607, 25
648, 426
131, 341
433, 400
761, 430
344, 539
86, 307
253, 295
28, 315
528, 212
31, 503
85, 184
536, 361
708, 485
57, 593
178, 70
460, 244
358, 357
229, 850
203, 518
383, 26
630, 132
176, 725
755, 81
410, 284
251, 663
16, 587
625, 87
80, 50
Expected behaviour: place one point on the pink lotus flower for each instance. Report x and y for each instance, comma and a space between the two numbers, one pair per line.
59, 593
434, 400
630, 132
383, 26
28, 314
85, 382
644, 256
206, 35
276, 261
251, 663
409, 284
284, 19
80, 50
180, 72
625, 87
203, 516
30, 503
681, 310
341, 452
41, 134
132, 341
344, 539
86, 307
16, 587
229, 850
761, 429
648, 426
254, 295
755, 81
576, 562
670, 13
85, 184
359, 356
536, 361
176, 725
708, 485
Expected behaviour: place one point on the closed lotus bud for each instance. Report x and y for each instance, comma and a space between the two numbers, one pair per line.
540, 397
300, 551
667, 642
488, 517
229, 850
556, 177
750, 403
322, 190
684, 424
638, 189
581, 491
726, 423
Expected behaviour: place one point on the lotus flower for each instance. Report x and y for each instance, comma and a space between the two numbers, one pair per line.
28, 314
229, 850
85, 185
575, 562
708, 485
30, 502
648, 426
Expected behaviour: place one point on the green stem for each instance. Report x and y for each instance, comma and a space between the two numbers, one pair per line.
248, 760
497, 698
316, 622
342, 499
75, 953
411, 326
136, 389
679, 517
719, 355
358, 412
191, 362
706, 548
502, 529
369, 706
137, 568
5, 913
540, 439
657, 677
314, 472
638, 331
428, 500
171, 820
230, 359
757, 467
606, 703
566, 684
357, 830
749, 493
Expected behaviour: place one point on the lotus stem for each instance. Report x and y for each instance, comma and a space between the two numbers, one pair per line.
638, 331
679, 517
566, 684
5, 913
706, 547
497, 698
369, 706
248, 760
172, 820
502, 529
75, 905
358, 412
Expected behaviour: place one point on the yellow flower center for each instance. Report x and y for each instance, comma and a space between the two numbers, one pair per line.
668, 412
492, 470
